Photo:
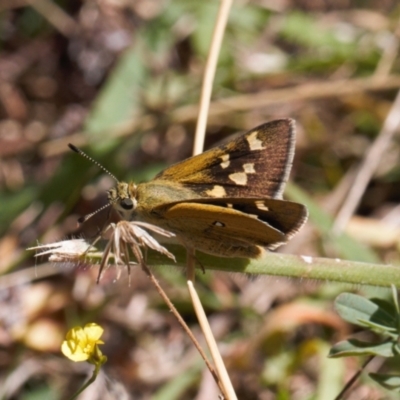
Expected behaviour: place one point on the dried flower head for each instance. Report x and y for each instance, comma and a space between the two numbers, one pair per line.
131, 235
126, 236
65, 250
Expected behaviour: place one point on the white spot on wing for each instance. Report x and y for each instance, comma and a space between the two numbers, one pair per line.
216, 191
254, 143
219, 224
261, 206
307, 259
249, 168
225, 161
240, 178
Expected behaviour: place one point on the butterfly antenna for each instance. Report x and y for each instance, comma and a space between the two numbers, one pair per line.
79, 151
83, 219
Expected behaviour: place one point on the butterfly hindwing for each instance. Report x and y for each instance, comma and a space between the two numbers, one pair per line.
215, 230
262, 222
286, 216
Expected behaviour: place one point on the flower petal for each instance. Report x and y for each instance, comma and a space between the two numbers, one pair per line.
93, 332
74, 353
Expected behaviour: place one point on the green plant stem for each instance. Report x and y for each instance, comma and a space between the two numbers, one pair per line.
303, 267
278, 264
89, 382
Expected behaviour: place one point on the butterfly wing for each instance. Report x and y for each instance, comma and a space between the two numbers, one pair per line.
215, 230
256, 164
233, 227
285, 216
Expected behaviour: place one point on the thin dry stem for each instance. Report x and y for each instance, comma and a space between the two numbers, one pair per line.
369, 165
350, 383
254, 101
190, 265
209, 74
56, 16
304, 92
376, 150
165, 297
389, 55
212, 345
205, 99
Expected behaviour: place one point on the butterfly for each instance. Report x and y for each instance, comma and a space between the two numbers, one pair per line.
226, 201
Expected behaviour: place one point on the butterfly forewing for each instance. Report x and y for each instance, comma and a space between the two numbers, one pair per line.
256, 164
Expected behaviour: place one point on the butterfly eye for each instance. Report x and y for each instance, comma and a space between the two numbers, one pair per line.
126, 204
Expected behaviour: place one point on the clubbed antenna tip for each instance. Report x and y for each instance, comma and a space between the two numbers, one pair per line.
83, 154
73, 148
84, 218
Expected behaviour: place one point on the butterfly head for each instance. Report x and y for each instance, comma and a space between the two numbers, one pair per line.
123, 198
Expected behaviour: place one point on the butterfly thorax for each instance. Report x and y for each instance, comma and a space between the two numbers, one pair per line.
145, 201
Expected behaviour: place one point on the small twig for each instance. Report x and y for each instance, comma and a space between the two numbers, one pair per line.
307, 91
209, 74
353, 379
164, 296
212, 345
227, 387
56, 16
372, 158
254, 101
205, 99
190, 265
389, 54
368, 166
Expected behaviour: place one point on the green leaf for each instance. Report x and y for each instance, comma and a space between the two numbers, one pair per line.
305, 30
391, 382
120, 97
383, 330
355, 347
13, 203
325, 47
359, 310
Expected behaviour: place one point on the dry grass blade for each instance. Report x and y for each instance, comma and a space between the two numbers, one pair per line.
209, 73
368, 166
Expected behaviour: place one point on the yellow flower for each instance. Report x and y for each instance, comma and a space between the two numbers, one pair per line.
81, 344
